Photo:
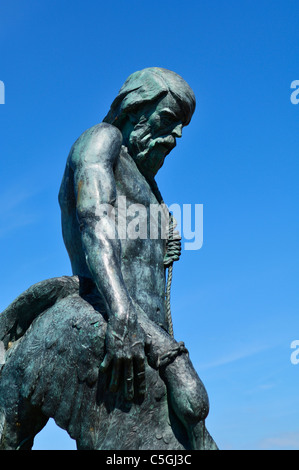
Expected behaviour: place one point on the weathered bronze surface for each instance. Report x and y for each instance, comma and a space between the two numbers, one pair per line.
95, 351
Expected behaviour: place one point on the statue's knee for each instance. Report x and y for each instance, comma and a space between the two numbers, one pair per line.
187, 392
195, 404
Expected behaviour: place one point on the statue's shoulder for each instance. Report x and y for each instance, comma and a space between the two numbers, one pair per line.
101, 142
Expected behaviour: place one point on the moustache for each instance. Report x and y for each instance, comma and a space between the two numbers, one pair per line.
168, 141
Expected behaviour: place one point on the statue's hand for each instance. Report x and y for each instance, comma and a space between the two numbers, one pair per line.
125, 355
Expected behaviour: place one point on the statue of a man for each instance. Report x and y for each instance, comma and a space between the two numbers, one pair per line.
110, 170
114, 159
120, 158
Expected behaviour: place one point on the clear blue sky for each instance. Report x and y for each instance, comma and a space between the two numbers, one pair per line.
235, 301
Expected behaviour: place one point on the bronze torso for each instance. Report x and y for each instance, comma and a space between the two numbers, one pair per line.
141, 258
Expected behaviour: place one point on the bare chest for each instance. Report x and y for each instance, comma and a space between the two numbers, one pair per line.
139, 213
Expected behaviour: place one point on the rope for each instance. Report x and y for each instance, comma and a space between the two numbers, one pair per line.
172, 254
168, 307
173, 251
168, 357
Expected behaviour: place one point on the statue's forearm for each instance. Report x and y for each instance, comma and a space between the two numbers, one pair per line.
103, 257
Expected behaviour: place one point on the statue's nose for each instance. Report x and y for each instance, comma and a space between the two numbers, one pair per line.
177, 131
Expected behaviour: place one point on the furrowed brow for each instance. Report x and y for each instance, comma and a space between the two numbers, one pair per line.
168, 112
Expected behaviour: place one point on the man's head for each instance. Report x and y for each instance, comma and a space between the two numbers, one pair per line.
150, 110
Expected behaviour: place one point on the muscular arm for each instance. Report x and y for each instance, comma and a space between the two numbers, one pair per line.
92, 163
95, 198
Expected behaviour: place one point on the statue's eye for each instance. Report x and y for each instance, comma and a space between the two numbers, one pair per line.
167, 119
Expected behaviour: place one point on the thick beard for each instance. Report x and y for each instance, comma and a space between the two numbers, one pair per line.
143, 148
139, 140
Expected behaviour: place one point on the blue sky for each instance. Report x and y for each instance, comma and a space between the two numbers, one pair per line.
235, 301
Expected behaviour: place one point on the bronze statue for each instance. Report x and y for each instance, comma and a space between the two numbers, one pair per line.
95, 351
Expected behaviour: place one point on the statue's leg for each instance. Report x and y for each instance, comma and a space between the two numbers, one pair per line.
189, 400
51, 371
187, 394
19, 426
